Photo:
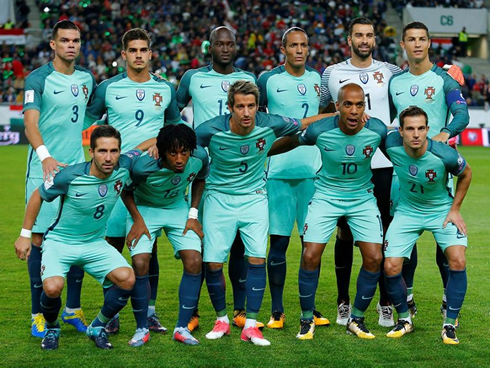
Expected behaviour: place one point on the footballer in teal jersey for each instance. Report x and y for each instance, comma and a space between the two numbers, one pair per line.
292, 89
55, 100
88, 192
426, 203
161, 199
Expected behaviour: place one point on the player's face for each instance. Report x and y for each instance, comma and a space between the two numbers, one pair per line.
296, 50
223, 48
362, 41
105, 156
67, 44
137, 55
351, 109
416, 43
243, 112
176, 159
414, 131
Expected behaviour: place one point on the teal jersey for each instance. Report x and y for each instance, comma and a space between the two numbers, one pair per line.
208, 90
137, 110
299, 97
436, 93
346, 171
159, 187
61, 101
238, 162
86, 201
424, 180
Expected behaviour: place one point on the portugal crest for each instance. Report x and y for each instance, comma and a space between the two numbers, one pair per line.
74, 89
157, 98
431, 175
260, 144
176, 180
244, 149
225, 86
118, 186
85, 92
364, 77
429, 92
302, 88
414, 89
191, 177
350, 149
378, 77
367, 151
103, 190
413, 170
140, 94
317, 89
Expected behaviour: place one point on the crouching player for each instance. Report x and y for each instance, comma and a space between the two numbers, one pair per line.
88, 192
160, 202
426, 203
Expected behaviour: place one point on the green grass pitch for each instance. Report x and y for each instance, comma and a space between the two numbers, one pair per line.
331, 346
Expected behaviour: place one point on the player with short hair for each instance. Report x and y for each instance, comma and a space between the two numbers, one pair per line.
236, 199
137, 103
208, 87
88, 192
373, 76
423, 166
292, 89
160, 187
343, 189
426, 85
56, 96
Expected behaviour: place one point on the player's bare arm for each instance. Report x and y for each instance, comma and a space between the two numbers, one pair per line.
23, 243
139, 227
193, 222
149, 145
50, 165
454, 214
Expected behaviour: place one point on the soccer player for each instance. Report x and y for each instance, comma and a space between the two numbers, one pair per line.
56, 96
344, 188
208, 87
426, 85
88, 192
161, 200
293, 90
137, 104
373, 76
236, 199
423, 166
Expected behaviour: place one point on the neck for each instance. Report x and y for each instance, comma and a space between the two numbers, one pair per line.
416, 152
94, 171
346, 131
238, 130
361, 63
420, 67
295, 71
64, 67
138, 76
223, 69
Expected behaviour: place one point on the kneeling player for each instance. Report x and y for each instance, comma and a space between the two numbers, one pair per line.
88, 194
161, 200
423, 166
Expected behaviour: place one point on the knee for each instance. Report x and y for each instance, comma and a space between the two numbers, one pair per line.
372, 262
53, 287
392, 267
193, 264
458, 264
311, 260
141, 264
211, 266
126, 278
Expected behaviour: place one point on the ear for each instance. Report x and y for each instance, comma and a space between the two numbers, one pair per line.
400, 130
52, 44
151, 53
123, 54
349, 41
283, 50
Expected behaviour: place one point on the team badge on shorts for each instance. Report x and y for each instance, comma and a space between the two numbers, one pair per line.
103, 190
350, 149
43, 268
305, 228
367, 151
301, 89
244, 149
157, 97
414, 89
176, 180
431, 175
225, 86
118, 186
364, 77
140, 94
378, 77
74, 90
260, 144
317, 89
429, 92
191, 177
413, 170
385, 245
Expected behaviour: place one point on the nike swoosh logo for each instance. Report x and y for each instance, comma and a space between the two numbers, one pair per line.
223, 148
80, 194
58, 92
36, 286
281, 90
123, 299
305, 296
460, 236
327, 150
242, 280
184, 307
78, 280
368, 298
203, 86
157, 185
137, 310
120, 97
399, 93
454, 309
255, 289
277, 263
396, 306
343, 81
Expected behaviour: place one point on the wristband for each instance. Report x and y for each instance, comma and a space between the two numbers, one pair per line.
26, 233
42, 153
193, 213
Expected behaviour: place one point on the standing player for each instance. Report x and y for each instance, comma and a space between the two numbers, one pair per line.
208, 87
373, 76
236, 199
54, 109
293, 90
426, 85
423, 167
161, 200
137, 104
88, 192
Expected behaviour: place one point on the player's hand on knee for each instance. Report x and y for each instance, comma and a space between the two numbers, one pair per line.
455, 218
51, 167
137, 231
194, 225
153, 152
23, 248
